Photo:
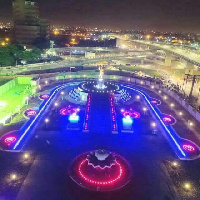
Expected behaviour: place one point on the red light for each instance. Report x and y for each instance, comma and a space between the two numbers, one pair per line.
10, 140
188, 147
95, 182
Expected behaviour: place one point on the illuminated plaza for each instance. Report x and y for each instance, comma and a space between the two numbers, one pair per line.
99, 100
101, 136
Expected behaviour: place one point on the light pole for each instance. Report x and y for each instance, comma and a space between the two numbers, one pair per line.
144, 109
154, 131
56, 106
62, 93
46, 122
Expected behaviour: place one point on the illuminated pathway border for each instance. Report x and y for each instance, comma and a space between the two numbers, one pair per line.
185, 149
29, 125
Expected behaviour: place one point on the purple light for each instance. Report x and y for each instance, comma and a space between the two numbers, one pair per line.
131, 113
168, 120
69, 110
10, 140
188, 147
44, 96
30, 113
155, 101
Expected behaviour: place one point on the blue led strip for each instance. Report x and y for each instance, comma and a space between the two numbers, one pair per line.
155, 111
43, 106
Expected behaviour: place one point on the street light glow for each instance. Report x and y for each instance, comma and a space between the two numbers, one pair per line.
172, 105
46, 120
26, 155
13, 177
187, 186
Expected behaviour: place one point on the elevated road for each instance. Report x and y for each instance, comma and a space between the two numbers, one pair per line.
185, 54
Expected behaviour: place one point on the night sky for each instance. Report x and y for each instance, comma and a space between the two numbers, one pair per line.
164, 15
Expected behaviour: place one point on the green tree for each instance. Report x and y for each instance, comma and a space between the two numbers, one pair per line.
5, 58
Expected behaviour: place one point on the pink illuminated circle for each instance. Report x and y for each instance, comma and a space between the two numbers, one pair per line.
167, 119
30, 113
188, 147
44, 96
9, 140
131, 113
96, 182
155, 102
69, 111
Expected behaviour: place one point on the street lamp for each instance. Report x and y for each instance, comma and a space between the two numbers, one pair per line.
46, 121
144, 109
138, 97
13, 177
172, 105
180, 113
154, 131
174, 164
187, 186
56, 106
165, 97
62, 93
26, 156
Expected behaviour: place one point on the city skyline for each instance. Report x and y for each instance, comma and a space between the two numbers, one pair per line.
150, 15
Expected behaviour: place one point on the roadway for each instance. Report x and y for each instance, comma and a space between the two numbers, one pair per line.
183, 53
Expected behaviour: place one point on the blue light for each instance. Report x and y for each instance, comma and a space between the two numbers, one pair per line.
74, 118
171, 133
127, 120
27, 128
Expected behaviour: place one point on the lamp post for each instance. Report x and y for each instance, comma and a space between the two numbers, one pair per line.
154, 131
62, 93
56, 106
144, 109
46, 122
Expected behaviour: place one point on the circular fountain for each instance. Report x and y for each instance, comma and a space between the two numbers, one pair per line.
99, 85
100, 170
